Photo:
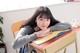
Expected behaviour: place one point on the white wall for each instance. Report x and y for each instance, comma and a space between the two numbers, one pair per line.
22, 4
66, 12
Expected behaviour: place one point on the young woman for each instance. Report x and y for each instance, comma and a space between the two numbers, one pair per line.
39, 25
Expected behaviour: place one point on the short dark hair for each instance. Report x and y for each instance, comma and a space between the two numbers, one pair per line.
40, 11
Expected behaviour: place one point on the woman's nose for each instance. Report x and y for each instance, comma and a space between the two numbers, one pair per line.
44, 22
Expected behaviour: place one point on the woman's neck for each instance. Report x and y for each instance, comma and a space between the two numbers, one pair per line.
37, 28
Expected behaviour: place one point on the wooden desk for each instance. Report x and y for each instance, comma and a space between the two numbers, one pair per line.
58, 43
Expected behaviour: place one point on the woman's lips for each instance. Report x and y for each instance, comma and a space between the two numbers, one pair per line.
43, 26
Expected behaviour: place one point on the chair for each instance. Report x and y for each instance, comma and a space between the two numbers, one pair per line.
16, 26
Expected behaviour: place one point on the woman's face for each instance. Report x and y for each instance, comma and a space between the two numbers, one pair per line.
43, 23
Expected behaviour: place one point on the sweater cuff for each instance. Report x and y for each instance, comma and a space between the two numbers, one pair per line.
52, 28
33, 36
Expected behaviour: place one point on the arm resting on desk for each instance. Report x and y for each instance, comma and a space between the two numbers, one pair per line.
60, 26
22, 38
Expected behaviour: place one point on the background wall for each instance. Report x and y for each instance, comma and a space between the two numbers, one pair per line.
66, 12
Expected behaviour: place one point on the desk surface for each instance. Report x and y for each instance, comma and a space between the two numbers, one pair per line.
44, 45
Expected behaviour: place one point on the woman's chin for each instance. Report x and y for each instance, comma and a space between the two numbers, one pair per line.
43, 28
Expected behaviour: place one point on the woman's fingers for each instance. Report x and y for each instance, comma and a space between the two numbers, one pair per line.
42, 33
76, 26
45, 34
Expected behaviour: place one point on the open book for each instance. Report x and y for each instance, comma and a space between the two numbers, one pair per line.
50, 36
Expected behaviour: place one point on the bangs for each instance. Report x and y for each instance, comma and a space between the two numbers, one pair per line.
44, 15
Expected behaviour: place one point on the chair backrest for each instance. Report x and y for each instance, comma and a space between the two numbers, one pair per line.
16, 26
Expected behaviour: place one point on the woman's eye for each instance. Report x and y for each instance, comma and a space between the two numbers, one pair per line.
48, 19
40, 19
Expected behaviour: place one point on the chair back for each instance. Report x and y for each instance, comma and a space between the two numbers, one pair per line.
16, 26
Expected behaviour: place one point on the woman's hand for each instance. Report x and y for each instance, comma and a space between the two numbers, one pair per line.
75, 26
43, 33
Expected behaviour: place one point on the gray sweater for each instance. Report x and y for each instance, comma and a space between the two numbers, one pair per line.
22, 38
